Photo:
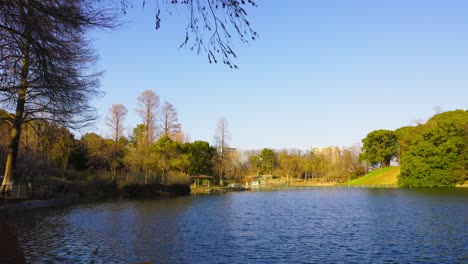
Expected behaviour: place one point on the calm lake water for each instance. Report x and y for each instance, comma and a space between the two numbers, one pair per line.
308, 226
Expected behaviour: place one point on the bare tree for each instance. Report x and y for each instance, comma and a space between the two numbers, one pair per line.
114, 120
148, 103
222, 135
221, 138
182, 137
46, 65
169, 121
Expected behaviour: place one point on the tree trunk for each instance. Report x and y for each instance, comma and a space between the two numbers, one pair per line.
15, 131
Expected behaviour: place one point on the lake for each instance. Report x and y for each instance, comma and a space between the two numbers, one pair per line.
322, 225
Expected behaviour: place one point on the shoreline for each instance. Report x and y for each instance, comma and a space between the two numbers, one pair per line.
14, 208
222, 190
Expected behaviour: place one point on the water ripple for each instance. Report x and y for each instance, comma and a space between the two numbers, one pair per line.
317, 226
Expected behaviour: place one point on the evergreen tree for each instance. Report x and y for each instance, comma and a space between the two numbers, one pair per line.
379, 147
436, 152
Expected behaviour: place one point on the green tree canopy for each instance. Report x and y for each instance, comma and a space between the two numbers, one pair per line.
96, 151
436, 152
268, 161
200, 157
379, 147
404, 136
166, 155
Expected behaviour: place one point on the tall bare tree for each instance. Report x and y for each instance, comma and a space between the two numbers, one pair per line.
114, 120
148, 104
221, 138
46, 65
169, 121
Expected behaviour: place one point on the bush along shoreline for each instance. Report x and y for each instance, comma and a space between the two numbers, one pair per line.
108, 189
154, 190
69, 194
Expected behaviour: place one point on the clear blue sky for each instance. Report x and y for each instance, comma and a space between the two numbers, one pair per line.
322, 72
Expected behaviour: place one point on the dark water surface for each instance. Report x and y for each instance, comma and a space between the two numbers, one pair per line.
309, 226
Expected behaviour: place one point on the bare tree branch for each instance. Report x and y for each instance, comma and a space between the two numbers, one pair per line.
211, 25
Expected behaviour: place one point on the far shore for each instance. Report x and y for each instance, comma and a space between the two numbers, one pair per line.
19, 206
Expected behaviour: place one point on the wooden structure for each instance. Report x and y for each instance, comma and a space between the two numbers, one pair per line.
202, 180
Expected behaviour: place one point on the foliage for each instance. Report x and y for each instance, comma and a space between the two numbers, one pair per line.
320, 165
404, 135
432, 154
167, 156
289, 164
142, 190
200, 157
234, 166
436, 152
379, 147
267, 161
332, 164
154, 189
97, 153
177, 189
350, 165
136, 148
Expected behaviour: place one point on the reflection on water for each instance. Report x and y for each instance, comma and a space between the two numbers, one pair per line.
320, 225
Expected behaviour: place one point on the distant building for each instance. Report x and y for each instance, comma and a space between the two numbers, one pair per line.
330, 153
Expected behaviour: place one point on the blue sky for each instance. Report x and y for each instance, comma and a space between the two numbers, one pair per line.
322, 73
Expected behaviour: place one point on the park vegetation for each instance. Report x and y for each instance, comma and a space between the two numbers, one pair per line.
435, 153
47, 65
156, 151
48, 79
430, 154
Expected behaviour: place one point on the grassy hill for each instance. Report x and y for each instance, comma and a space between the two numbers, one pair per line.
379, 177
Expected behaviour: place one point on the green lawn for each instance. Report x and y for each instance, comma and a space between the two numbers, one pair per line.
379, 177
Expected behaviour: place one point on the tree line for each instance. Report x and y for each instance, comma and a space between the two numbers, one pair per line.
430, 154
156, 151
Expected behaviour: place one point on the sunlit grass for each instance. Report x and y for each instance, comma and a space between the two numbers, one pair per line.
378, 177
